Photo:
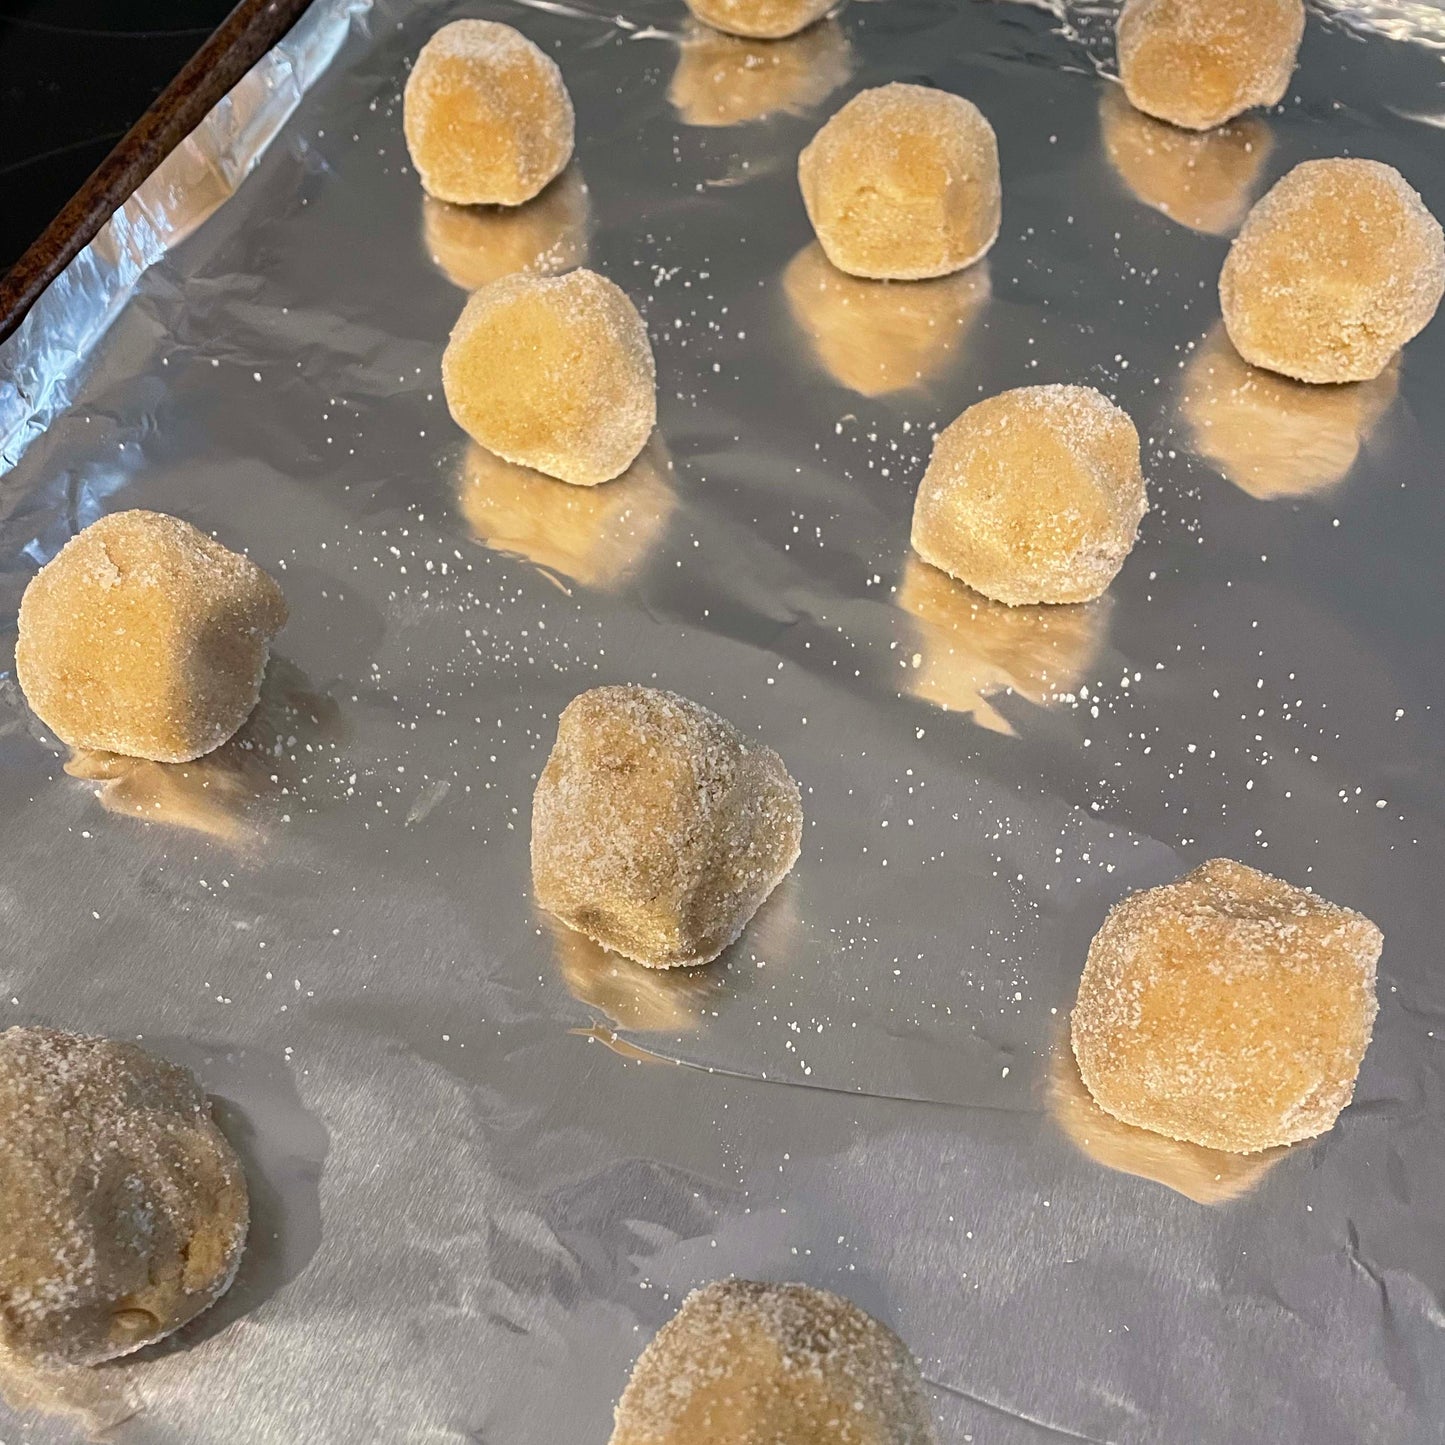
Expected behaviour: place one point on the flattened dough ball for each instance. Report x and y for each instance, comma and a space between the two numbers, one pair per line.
1338, 265
1034, 495
125, 1208
145, 637
760, 19
554, 373
657, 828
1228, 1009
1197, 63
487, 117
903, 183
763, 1364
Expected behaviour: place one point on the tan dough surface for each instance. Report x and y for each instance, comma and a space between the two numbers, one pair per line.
145, 637
1229, 1009
903, 183
1337, 266
768, 1364
1198, 63
658, 829
125, 1208
487, 117
554, 373
760, 19
1034, 495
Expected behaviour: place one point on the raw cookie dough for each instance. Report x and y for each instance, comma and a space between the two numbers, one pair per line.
1228, 1009
554, 373
1197, 63
1334, 270
1034, 495
125, 1208
760, 19
487, 117
725, 80
773, 1364
658, 829
903, 183
145, 637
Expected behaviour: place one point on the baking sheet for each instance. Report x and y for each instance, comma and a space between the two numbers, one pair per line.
488, 1161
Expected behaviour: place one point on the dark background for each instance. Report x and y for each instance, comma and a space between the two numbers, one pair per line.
75, 75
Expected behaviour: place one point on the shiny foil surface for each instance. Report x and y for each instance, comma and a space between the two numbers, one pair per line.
488, 1161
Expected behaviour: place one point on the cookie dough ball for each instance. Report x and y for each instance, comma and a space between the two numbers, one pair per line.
1203, 181
1228, 1009
1197, 63
760, 19
143, 636
965, 649
1333, 271
877, 337
1273, 437
597, 536
723, 80
1034, 495
759, 1364
903, 183
125, 1208
554, 373
473, 246
487, 117
657, 828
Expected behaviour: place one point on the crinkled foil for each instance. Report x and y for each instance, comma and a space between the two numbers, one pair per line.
487, 1160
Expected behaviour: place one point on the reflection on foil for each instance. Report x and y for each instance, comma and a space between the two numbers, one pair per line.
1205, 180
725, 80
220, 795
1207, 1176
876, 337
596, 536
964, 649
1273, 437
94, 1398
474, 245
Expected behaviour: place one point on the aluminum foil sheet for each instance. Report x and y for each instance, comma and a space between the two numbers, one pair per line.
488, 1160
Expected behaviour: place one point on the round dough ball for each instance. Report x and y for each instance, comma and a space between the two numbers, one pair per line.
759, 19
1228, 1009
1197, 63
473, 246
876, 337
903, 183
1273, 437
1333, 271
757, 1364
1034, 495
1203, 181
487, 117
145, 637
554, 373
125, 1208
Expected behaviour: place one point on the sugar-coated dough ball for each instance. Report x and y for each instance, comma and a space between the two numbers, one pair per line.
1228, 1009
724, 80
143, 636
903, 183
773, 1364
554, 373
473, 246
1197, 63
876, 337
760, 19
658, 829
597, 536
125, 1208
1034, 495
1203, 180
487, 117
1334, 270
1273, 437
